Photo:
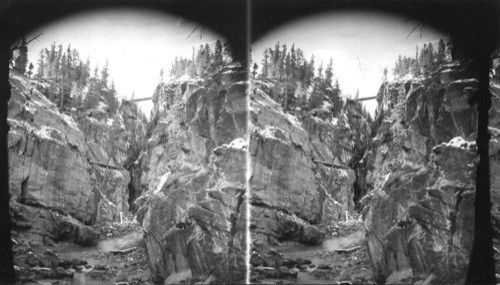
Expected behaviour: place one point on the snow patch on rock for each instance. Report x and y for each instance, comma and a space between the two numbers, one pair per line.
458, 142
239, 143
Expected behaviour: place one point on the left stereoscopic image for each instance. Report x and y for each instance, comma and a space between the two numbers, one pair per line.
127, 152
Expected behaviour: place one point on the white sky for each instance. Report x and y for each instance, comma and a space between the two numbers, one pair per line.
137, 43
361, 44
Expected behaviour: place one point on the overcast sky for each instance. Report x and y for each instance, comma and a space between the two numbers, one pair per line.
137, 43
360, 43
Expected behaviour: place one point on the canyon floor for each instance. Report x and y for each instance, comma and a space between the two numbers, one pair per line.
342, 258
119, 258
103, 264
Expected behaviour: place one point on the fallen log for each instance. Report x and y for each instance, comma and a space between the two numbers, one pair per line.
347, 250
123, 251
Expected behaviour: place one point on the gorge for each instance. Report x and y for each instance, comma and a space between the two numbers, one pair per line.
237, 178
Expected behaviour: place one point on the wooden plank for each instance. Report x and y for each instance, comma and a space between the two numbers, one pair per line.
140, 99
105, 165
365, 98
329, 164
347, 250
123, 251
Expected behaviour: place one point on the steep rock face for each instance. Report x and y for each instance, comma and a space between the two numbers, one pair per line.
112, 185
494, 129
66, 168
420, 215
48, 167
194, 173
113, 145
300, 177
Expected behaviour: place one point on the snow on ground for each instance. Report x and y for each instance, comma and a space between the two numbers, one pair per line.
326, 106
47, 133
239, 143
458, 142
470, 80
68, 120
335, 121
163, 179
494, 131
293, 120
451, 65
268, 132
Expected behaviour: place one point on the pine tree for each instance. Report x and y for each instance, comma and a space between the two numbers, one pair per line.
208, 55
228, 51
310, 71
423, 59
85, 73
288, 66
428, 60
329, 73
265, 64
281, 63
57, 62
320, 71
254, 72
441, 54
112, 99
218, 54
293, 62
41, 63
22, 59
52, 59
416, 65
93, 94
105, 75
276, 58
69, 64
337, 103
30, 71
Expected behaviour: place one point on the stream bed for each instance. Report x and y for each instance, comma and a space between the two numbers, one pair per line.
342, 258
101, 265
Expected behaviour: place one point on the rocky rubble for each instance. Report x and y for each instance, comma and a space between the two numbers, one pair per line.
315, 265
194, 172
419, 217
67, 265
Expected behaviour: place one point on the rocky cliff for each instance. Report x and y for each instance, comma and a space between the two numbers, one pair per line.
420, 167
59, 176
193, 174
301, 179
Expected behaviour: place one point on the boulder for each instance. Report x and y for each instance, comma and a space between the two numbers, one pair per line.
67, 228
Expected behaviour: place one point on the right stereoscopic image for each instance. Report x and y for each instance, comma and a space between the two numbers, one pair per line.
363, 131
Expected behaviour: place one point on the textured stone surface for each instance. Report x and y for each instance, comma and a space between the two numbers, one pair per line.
113, 188
57, 164
300, 168
419, 216
47, 156
193, 173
